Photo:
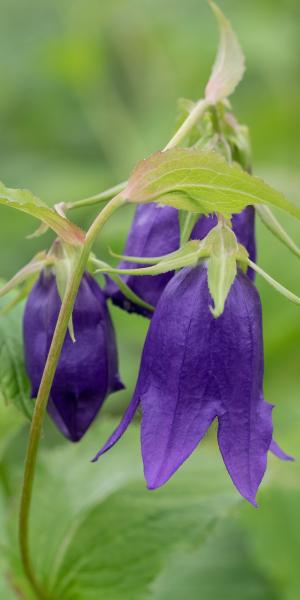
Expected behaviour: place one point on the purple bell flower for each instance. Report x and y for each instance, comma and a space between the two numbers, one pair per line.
88, 369
155, 232
196, 368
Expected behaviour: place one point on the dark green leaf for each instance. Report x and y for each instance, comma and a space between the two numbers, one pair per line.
14, 384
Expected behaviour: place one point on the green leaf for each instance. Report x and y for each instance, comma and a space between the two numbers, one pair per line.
32, 268
104, 536
229, 66
14, 384
25, 201
221, 266
275, 539
200, 181
225, 552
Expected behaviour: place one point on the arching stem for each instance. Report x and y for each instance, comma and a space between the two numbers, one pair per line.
45, 387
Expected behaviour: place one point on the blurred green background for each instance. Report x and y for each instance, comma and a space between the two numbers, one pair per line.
87, 89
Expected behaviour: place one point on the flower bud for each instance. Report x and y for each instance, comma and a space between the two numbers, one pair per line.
154, 232
87, 370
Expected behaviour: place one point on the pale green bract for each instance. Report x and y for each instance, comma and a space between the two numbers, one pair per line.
200, 181
25, 201
222, 266
229, 66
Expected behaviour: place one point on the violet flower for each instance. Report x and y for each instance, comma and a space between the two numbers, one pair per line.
155, 232
196, 368
88, 369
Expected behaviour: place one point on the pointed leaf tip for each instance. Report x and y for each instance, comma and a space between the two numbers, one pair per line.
229, 66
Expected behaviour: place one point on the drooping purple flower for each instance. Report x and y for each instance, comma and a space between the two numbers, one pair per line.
88, 369
155, 232
196, 368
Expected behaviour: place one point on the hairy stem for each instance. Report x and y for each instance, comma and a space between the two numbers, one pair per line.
45, 387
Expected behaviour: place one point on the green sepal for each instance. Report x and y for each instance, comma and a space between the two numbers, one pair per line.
222, 266
275, 284
187, 221
65, 258
123, 287
154, 260
188, 255
25, 278
270, 221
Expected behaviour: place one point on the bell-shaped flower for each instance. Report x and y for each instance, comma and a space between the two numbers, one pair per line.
196, 368
88, 368
155, 232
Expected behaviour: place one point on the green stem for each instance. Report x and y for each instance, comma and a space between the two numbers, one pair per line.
195, 115
45, 387
97, 198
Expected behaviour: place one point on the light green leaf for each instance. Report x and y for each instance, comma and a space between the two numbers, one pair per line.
221, 266
200, 181
33, 267
25, 201
229, 66
14, 384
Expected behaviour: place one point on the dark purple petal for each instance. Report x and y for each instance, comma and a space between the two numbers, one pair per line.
154, 232
120, 430
87, 370
277, 451
245, 427
179, 399
244, 438
195, 368
243, 225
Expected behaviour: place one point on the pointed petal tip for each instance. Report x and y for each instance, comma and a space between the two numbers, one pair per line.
279, 453
252, 501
